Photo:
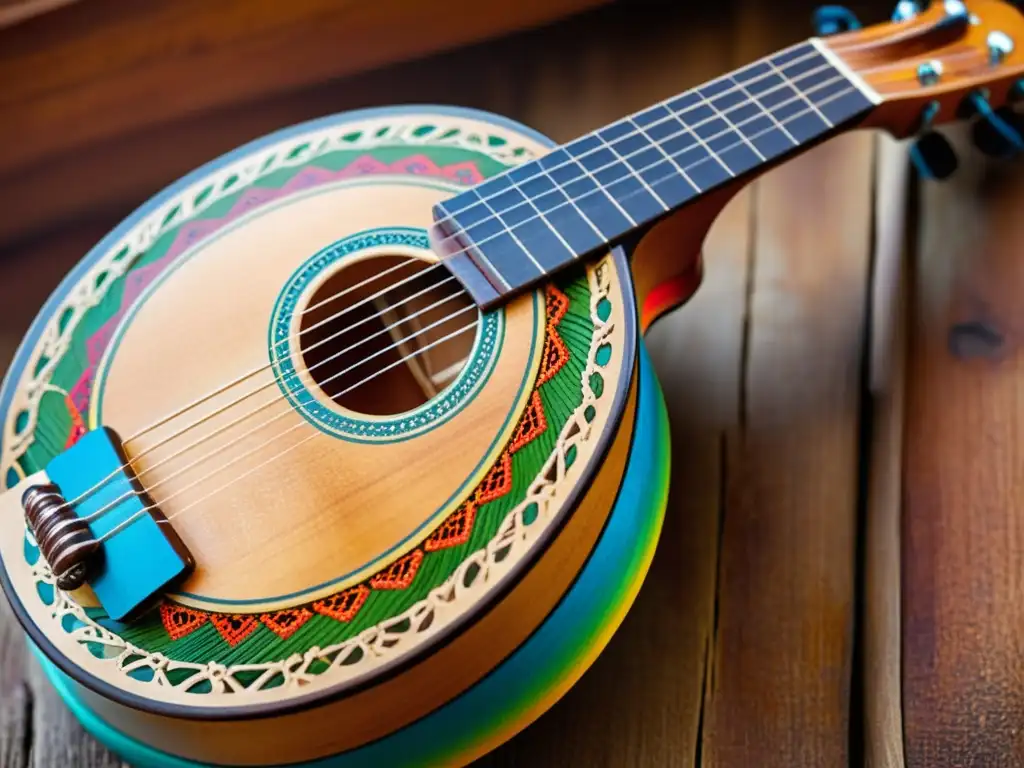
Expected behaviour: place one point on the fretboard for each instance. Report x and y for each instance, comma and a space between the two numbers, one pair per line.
519, 227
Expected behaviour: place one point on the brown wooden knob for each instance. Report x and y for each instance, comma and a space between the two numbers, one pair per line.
65, 540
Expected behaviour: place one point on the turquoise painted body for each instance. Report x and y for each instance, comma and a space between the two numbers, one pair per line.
124, 578
542, 668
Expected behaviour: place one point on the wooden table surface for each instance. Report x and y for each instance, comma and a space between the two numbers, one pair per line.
838, 580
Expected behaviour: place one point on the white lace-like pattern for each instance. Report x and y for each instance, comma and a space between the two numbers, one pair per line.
20, 424
477, 575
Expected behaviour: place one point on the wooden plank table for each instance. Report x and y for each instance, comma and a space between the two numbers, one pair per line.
838, 573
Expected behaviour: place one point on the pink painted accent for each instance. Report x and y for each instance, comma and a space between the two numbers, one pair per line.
418, 164
310, 176
361, 166
194, 232
79, 394
465, 173
252, 198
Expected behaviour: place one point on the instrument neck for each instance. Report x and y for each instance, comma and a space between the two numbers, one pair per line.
520, 227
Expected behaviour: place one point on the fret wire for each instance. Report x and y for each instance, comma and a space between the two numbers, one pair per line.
572, 202
666, 155
704, 143
730, 123
629, 168
812, 51
804, 44
851, 89
529, 201
844, 69
473, 246
792, 83
600, 188
694, 134
515, 237
799, 95
768, 111
553, 228
685, 130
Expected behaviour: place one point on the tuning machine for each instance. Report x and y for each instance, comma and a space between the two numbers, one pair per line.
833, 20
932, 154
906, 10
998, 133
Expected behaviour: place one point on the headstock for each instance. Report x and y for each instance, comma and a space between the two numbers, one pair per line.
956, 60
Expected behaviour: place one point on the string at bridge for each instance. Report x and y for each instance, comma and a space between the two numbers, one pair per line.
325, 301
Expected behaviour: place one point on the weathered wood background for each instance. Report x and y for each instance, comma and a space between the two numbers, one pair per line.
839, 578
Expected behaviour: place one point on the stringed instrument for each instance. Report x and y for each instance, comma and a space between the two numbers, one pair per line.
345, 448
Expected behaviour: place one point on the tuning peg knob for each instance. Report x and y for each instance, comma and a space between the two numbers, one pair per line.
833, 19
996, 132
933, 157
999, 135
906, 10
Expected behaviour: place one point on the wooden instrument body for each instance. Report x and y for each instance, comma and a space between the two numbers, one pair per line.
439, 577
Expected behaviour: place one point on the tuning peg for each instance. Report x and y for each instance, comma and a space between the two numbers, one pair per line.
833, 19
933, 157
996, 132
906, 10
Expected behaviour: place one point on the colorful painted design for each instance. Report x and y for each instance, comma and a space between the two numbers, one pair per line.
400, 574
555, 353
670, 294
179, 620
234, 628
456, 528
284, 624
432, 414
197, 645
38, 422
343, 606
532, 424
230, 653
454, 532
540, 672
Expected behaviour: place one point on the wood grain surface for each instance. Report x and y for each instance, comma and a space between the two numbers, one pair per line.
838, 579
963, 546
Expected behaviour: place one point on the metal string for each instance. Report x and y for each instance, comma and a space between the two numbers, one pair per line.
129, 520
165, 419
648, 185
803, 112
264, 406
223, 388
787, 81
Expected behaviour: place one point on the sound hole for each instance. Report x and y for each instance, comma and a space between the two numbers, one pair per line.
384, 335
